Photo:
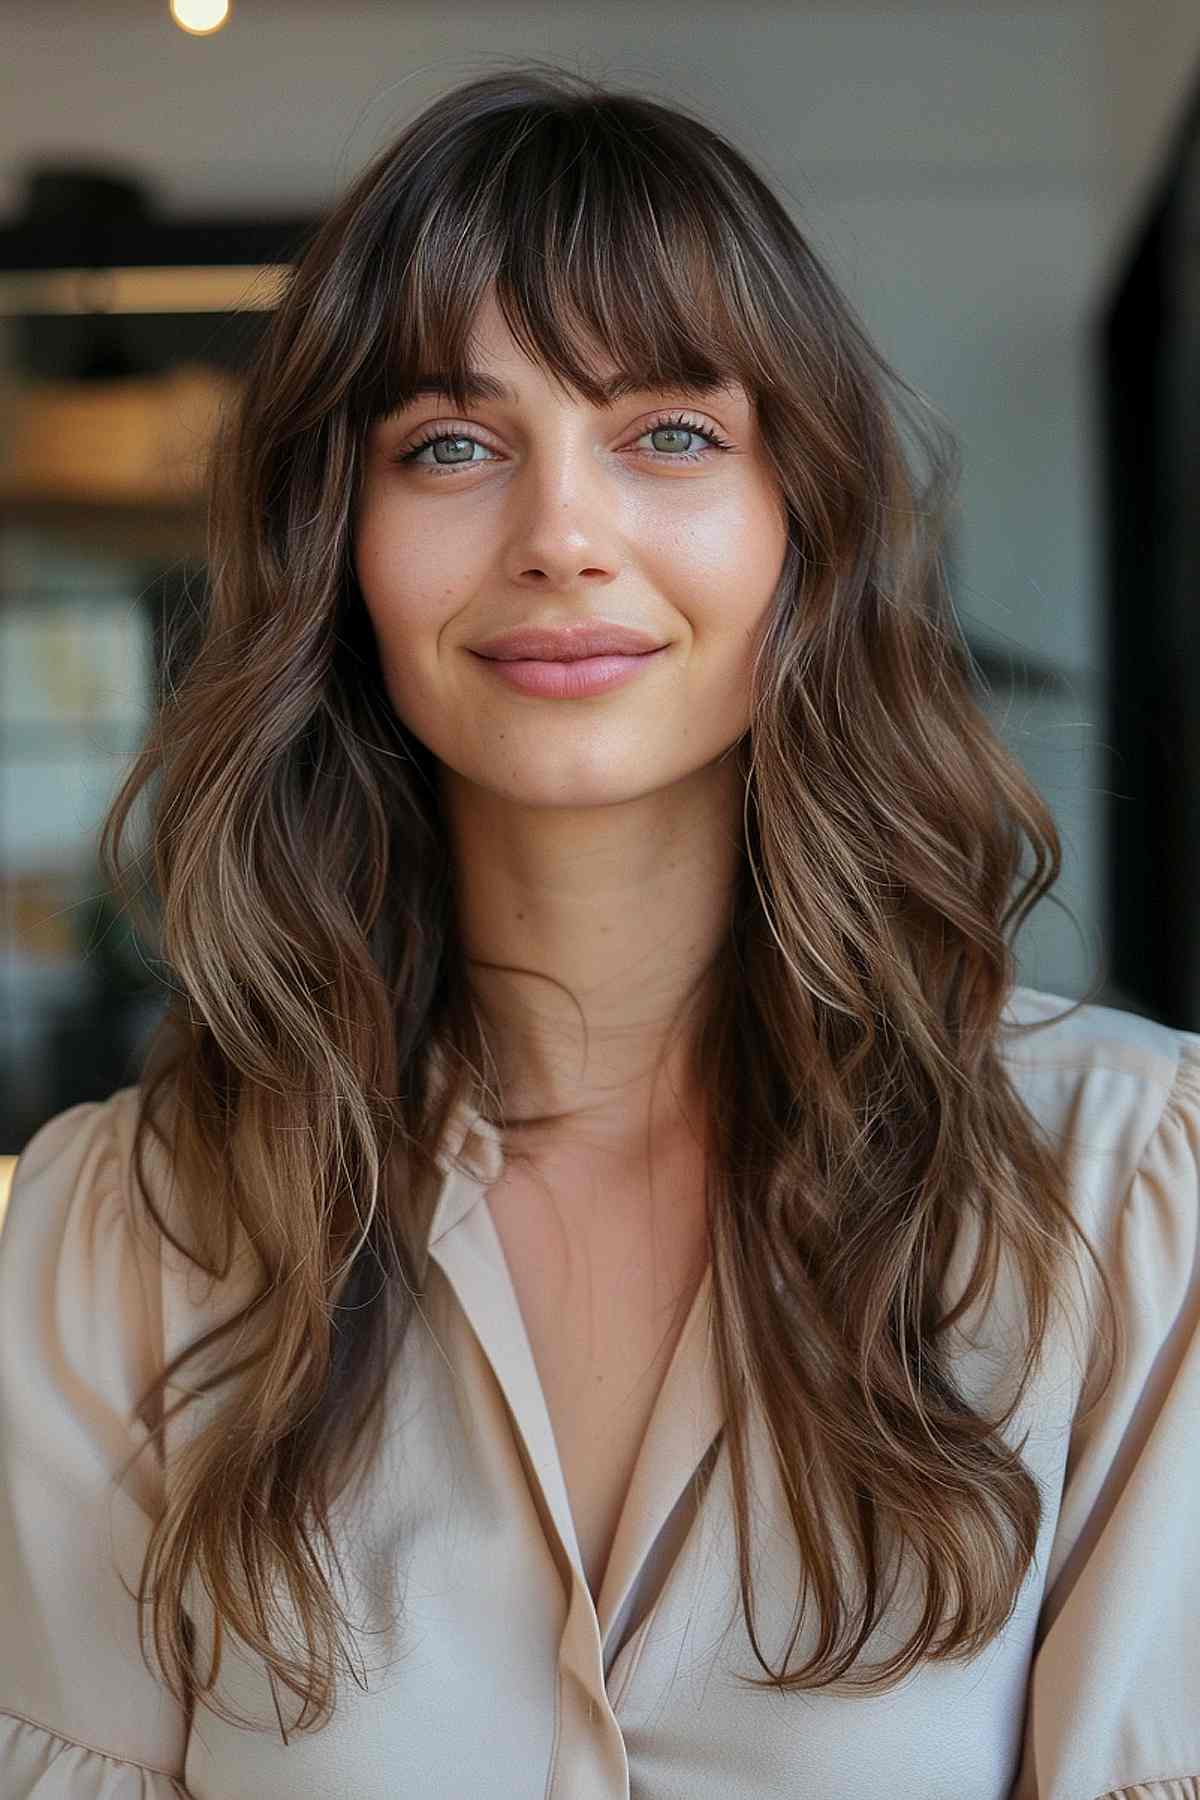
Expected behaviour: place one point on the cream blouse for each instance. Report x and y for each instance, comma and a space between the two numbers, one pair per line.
504, 1681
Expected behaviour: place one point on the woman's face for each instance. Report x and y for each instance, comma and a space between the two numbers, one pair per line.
556, 512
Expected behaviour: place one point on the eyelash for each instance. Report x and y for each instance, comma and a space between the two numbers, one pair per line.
680, 420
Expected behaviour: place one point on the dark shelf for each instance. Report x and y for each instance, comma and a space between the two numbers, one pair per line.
141, 530
160, 243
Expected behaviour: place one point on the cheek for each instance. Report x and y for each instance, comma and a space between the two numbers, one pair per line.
381, 564
371, 566
743, 536
734, 562
410, 579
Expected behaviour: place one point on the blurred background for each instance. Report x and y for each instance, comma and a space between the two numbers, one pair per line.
1008, 193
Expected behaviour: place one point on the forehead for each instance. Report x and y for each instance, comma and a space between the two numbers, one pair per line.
498, 367
492, 342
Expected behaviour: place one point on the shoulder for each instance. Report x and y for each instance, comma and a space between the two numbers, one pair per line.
89, 1200
1049, 1033
1117, 1090
1120, 1095
74, 1262
72, 1171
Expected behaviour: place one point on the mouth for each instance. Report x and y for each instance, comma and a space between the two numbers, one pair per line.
572, 677
564, 656
567, 643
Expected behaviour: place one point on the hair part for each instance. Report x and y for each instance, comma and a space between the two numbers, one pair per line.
321, 1026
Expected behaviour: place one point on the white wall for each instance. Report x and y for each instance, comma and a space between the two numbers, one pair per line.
971, 174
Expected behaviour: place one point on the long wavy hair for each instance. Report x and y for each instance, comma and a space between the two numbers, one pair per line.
297, 884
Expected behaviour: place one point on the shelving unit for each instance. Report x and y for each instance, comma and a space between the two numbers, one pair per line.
94, 291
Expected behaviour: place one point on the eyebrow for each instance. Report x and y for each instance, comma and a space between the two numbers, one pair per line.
480, 386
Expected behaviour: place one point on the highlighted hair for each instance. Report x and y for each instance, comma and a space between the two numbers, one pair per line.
321, 1026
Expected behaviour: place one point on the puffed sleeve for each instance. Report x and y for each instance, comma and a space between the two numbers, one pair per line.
81, 1717
1113, 1708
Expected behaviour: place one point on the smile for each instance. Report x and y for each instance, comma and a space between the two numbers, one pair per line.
570, 680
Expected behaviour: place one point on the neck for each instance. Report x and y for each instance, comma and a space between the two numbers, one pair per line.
588, 933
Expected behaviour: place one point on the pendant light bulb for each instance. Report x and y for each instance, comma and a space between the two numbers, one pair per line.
200, 16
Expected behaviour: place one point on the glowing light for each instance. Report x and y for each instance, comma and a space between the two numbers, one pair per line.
200, 16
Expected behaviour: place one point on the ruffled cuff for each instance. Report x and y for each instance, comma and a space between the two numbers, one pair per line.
37, 1764
1176, 1787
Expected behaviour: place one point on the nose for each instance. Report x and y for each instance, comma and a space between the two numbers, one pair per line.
566, 529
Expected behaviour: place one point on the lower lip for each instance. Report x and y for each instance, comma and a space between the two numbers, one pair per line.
570, 680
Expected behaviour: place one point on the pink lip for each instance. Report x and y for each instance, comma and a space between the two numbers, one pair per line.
572, 679
563, 643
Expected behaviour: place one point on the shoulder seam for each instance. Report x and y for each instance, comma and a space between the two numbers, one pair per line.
61, 1737
1183, 1086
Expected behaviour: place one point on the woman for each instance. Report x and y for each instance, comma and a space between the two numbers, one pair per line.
607, 1213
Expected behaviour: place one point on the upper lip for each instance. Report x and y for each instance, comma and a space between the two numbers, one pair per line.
566, 643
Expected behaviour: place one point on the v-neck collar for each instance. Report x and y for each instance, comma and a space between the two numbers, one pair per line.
686, 1418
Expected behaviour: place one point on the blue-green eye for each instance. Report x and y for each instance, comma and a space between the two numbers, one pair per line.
676, 424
